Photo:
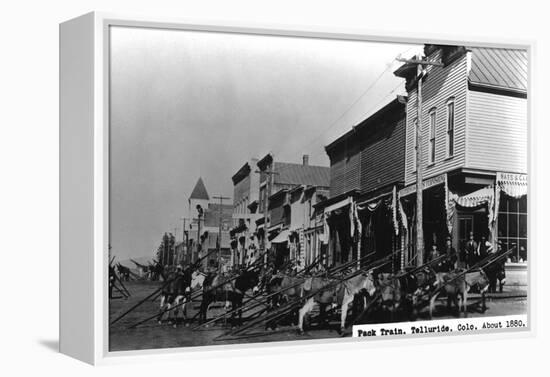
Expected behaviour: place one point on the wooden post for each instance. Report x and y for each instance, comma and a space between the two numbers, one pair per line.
420, 73
419, 176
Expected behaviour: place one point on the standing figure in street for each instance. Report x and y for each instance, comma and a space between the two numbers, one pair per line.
484, 248
433, 255
450, 252
470, 251
496, 272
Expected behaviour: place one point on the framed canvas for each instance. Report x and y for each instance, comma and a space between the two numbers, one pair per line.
235, 188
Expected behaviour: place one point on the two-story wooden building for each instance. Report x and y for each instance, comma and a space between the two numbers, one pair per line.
474, 147
279, 182
367, 168
246, 186
305, 226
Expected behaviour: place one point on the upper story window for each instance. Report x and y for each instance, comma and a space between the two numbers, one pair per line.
450, 127
262, 199
431, 150
415, 143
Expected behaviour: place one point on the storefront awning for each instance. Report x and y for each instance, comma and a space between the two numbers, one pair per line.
281, 237
476, 198
338, 205
485, 195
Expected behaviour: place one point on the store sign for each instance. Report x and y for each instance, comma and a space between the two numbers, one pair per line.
514, 185
511, 178
430, 182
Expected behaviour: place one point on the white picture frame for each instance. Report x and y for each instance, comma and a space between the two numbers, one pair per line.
84, 158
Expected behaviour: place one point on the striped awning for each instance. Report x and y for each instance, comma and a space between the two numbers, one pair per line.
476, 198
281, 237
338, 205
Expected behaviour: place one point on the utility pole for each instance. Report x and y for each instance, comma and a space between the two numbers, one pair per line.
269, 174
175, 245
200, 211
420, 74
185, 239
221, 199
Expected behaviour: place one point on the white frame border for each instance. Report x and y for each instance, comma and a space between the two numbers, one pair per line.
102, 22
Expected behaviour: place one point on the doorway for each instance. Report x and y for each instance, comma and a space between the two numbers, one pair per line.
465, 226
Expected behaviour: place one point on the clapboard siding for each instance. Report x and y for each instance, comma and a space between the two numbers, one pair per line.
440, 85
383, 154
276, 216
241, 191
497, 132
276, 212
372, 154
345, 170
337, 175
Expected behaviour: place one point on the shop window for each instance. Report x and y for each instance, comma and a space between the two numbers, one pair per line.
512, 226
450, 127
523, 204
432, 137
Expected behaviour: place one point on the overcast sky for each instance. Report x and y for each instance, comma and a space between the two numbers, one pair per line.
189, 104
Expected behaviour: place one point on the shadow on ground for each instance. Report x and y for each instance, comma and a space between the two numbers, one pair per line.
52, 345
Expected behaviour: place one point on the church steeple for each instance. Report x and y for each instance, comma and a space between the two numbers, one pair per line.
199, 192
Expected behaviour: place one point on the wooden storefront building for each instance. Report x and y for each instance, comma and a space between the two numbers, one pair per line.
367, 168
474, 148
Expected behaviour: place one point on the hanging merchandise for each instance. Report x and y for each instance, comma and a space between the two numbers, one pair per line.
394, 210
373, 206
292, 248
450, 206
358, 221
351, 220
324, 237
402, 214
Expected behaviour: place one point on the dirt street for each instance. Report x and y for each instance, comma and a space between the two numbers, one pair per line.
151, 335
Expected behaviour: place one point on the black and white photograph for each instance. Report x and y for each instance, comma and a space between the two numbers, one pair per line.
269, 188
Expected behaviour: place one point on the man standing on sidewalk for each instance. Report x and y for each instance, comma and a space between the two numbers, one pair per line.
470, 252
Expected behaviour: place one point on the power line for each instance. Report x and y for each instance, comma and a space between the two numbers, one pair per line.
363, 94
383, 100
335, 122
369, 112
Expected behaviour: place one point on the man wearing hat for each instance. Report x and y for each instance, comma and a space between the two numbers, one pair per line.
470, 251
450, 252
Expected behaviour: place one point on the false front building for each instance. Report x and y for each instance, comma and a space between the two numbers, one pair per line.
207, 228
474, 148
288, 224
246, 190
367, 168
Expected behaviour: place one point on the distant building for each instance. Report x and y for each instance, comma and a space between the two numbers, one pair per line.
203, 229
183, 256
246, 186
278, 181
199, 197
306, 224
